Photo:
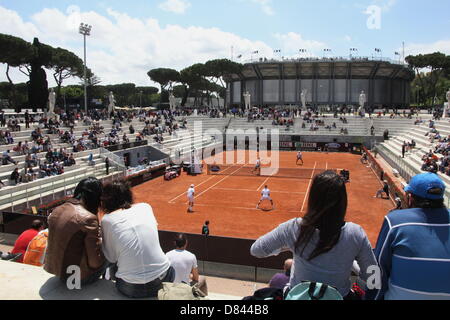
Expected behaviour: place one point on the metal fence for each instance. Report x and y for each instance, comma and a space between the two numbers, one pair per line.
49, 189
115, 159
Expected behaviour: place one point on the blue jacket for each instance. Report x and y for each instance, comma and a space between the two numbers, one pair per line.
413, 251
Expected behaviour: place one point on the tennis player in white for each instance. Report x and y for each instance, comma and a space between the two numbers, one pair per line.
257, 167
299, 157
190, 196
265, 195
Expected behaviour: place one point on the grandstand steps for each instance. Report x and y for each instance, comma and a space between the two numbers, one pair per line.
423, 146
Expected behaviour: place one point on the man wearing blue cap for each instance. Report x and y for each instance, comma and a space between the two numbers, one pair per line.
413, 248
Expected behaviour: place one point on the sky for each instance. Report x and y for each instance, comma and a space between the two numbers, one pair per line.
129, 38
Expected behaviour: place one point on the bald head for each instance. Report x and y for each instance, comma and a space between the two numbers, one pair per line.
288, 264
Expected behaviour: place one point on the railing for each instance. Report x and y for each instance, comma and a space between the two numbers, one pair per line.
48, 189
322, 59
115, 159
406, 170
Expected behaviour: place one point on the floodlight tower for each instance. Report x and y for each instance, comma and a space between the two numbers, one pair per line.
85, 30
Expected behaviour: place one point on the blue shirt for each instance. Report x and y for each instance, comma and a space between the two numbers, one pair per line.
413, 251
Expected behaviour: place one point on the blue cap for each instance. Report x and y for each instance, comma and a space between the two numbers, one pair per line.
421, 185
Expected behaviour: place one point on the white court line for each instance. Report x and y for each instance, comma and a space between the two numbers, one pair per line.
262, 184
218, 206
245, 208
309, 186
251, 190
182, 194
219, 181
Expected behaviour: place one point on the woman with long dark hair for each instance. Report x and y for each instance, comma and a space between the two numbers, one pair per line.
74, 235
324, 245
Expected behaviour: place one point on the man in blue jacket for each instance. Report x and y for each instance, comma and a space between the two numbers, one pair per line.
413, 248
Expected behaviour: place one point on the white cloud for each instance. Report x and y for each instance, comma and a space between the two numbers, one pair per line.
175, 6
385, 5
425, 48
266, 6
122, 48
348, 38
292, 42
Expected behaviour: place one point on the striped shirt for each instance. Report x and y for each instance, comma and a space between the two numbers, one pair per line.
413, 251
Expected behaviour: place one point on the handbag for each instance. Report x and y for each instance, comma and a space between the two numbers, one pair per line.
180, 291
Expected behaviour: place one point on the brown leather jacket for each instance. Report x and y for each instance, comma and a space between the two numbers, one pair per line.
73, 239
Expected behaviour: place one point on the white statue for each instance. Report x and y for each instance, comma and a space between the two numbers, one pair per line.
446, 106
172, 102
247, 98
362, 99
51, 102
112, 102
303, 98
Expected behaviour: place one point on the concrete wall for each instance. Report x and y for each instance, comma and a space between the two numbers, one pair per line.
137, 153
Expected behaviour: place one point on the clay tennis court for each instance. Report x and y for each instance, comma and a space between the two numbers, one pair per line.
229, 200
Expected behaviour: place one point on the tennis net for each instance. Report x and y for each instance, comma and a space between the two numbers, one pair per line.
240, 170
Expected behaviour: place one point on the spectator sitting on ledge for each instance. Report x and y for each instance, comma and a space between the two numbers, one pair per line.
24, 239
74, 235
142, 267
280, 280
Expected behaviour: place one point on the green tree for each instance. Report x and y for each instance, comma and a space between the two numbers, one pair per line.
438, 65
15, 53
165, 77
38, 85
218, 70
191, 78
65, 65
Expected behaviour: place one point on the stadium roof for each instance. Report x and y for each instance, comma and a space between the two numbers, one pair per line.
324, 68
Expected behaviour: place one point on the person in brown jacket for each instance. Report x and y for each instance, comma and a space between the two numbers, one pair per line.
74, 235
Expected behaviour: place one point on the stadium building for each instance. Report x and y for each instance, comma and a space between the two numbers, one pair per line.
329, 82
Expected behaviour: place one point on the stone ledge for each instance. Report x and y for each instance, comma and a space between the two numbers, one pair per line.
26, 282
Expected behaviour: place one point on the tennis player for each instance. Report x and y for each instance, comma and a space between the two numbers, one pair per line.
257, 167
190, 196
265, 195
299, 157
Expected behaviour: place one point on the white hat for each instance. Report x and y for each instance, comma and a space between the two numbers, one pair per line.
192, 185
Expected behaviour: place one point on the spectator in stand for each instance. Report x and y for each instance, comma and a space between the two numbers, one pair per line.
70, 161
185, 265
74, 235
2, 119
35, 254
27, 120
14, 178
6, 158
90, 160
143, 266
323, 244
107, 165
21, 244
413, 247
280, 280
